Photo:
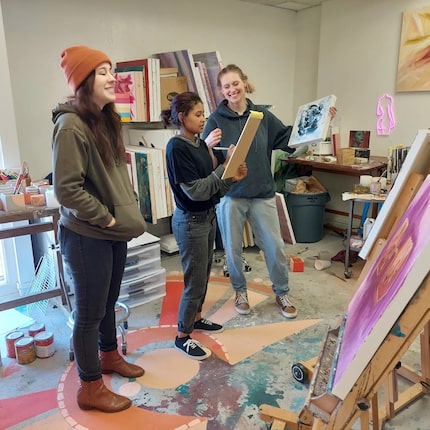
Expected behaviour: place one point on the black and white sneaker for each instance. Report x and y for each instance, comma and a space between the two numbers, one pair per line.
207, 326
190, 348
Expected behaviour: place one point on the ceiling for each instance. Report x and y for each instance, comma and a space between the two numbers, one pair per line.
290, 5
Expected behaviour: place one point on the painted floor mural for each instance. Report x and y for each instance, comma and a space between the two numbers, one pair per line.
248, 367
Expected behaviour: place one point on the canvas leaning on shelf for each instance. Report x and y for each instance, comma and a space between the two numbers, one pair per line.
312, 122
243, 144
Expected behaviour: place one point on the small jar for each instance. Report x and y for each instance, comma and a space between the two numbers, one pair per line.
375, 188
29, 191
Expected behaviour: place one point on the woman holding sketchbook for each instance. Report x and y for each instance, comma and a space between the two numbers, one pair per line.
254, 197
197, 188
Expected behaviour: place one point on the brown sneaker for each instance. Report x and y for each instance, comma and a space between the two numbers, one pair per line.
287, 308
241, 303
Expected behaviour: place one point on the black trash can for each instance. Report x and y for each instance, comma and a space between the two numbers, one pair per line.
307, 215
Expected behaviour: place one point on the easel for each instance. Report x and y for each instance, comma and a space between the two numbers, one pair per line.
323, 410
329, 413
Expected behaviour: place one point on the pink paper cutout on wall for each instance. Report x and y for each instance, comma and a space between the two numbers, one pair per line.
384, 110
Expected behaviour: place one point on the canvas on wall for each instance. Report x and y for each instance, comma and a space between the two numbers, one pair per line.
386, 290
312, 122
413, 70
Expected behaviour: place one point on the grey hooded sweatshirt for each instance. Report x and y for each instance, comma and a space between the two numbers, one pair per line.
271, 134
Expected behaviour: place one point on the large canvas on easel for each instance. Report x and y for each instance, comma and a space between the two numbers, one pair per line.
417, 161
312, 122
385, 292
243, 144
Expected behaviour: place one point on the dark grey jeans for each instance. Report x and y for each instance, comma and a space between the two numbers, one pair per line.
195, 235
96, 268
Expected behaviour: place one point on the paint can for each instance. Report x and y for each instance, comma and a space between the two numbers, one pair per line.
44, 344
24, 350
36, 328
11, 338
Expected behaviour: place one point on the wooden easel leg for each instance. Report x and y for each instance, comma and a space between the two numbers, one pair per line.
317, 424
425, 354
391, 394
375, 412
364, 420
280, 419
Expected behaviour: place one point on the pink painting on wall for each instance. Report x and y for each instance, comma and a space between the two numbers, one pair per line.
386, 290
413, 70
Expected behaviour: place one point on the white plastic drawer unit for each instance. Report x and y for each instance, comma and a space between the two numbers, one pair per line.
141, 259
147, 287
140, 254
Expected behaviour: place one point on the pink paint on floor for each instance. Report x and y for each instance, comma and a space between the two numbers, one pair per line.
22, 408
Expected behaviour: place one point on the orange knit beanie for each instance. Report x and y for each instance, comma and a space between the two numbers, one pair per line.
78, 62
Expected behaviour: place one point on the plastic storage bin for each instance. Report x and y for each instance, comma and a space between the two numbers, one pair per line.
307, 215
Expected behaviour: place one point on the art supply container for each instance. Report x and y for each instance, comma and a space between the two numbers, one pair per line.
375, 187
24, 350
29, 191
44, 344
37, 199
51, 200
36, 328
11, 338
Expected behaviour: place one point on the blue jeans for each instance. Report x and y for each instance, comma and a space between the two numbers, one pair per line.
96, 268
263, 217
195, 235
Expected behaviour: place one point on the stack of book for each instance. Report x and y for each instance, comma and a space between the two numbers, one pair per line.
140, 80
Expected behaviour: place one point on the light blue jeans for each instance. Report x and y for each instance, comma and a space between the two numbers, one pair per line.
263, 217
195, 235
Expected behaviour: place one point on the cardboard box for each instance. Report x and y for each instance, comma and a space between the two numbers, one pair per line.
170, 87
346, 156
12, 202
297, 264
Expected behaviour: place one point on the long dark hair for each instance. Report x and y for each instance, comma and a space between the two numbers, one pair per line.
104, 125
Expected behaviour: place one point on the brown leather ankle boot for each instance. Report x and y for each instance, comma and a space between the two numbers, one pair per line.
112, 361
95, 395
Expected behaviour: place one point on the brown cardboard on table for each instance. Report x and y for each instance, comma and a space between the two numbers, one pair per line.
169, 87
346, 156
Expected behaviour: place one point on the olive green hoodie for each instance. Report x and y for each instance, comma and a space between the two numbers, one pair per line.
89, 193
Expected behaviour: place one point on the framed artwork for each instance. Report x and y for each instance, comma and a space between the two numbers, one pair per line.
359, 139
392, 281
413, 70
312, 122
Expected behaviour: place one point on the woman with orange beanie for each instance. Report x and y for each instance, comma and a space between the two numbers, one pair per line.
98, 215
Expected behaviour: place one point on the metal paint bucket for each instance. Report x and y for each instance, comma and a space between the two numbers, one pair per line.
36, 328
24, 350
11, 338
44, 344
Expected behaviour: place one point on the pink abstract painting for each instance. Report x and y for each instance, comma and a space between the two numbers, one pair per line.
386, 290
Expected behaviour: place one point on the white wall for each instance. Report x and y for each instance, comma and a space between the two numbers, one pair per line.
358, 62
259, 39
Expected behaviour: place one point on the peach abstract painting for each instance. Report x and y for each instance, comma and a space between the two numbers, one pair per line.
413, 72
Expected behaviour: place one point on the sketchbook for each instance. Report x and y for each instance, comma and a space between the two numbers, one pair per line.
243, 144
312, 122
